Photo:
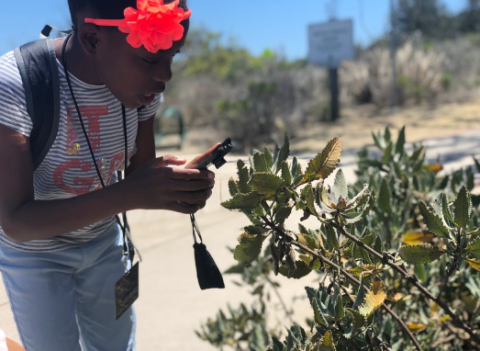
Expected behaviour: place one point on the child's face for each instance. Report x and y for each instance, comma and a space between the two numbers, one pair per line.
134, 75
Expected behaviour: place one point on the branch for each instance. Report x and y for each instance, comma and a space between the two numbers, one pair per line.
356, 281
346, 274
414, 281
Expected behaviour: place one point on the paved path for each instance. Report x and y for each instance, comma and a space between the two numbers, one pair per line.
171, 305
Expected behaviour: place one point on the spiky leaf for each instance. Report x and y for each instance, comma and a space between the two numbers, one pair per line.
415, 254
339, 311
400, 141
358, 319
232, 187
249, 248
243, 177
462, 208
374, 299
260, 163
265, 183
326, 343
325, 162
319, 317
360, 294
244, 201
387, 154
434, 223
282, 155
286, 175
385, 197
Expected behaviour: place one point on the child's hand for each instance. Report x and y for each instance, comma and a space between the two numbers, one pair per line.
155, 185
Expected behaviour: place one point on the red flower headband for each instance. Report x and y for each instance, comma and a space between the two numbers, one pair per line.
154, 25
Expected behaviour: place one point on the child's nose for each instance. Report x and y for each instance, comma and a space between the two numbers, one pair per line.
163, 73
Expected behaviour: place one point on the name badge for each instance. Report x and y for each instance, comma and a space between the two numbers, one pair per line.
126, 291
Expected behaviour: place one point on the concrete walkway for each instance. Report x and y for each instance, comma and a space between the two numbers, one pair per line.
171, 306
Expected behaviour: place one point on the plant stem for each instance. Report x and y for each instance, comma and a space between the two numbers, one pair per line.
414, 281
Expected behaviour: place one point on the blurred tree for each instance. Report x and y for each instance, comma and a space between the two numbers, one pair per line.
469, 20
430, 17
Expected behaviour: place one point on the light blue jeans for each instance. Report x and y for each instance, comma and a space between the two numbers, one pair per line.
61, 298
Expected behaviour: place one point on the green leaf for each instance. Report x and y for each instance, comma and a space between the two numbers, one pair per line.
400, 142
477, 164
418, 254
259, 162
308, 196
387, 154
378, 140
462, 207
282, 154
384, 197
232, 187
387, 135
360, 294
473, 247
340, 185
332, 239
339, 311
325, 162
249, 248
319, 317
265, 183
244, 201
268, 158
243, 177
418, 155
301, 270
434, 223
282, 213
287, 177
358, 319
446, 209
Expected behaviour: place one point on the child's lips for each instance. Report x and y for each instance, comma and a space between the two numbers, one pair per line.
147, 99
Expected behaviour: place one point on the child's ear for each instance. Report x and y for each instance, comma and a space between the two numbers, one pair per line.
88, 36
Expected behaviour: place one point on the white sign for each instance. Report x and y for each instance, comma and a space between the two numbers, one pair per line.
330, 43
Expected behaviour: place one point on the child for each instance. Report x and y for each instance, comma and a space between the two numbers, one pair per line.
61, 248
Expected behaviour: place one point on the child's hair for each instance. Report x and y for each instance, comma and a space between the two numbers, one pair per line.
105, 9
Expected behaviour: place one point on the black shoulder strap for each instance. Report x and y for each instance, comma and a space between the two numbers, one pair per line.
38, 68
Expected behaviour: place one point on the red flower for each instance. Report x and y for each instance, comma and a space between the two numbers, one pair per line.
154, 25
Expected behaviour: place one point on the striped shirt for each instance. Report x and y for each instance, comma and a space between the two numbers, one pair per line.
68, 168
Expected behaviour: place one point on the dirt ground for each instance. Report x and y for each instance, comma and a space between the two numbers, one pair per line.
355, 126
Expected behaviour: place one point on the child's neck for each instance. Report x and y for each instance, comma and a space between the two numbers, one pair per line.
78, 63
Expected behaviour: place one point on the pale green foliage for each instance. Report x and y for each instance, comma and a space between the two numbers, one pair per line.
362, 233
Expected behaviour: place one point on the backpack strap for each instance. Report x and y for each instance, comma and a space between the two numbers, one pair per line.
37, 64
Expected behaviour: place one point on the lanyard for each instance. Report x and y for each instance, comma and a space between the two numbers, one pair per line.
127, 250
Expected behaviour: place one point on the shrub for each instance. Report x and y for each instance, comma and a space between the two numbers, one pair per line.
397, 252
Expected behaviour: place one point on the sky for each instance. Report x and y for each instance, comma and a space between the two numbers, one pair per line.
278, 25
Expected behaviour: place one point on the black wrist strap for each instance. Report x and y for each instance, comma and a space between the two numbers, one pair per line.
208, 274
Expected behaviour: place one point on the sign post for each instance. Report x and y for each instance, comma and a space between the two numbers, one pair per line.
329, 44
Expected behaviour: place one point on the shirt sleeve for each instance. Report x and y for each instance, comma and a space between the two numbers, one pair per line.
13, 109
149, 111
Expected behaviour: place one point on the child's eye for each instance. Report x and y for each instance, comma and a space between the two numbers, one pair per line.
150, 62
